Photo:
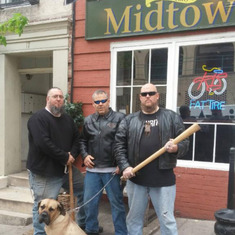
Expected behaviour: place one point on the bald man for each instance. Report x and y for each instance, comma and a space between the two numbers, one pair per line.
139, 135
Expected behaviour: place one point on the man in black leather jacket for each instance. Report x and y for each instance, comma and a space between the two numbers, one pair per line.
96, 145
140, 135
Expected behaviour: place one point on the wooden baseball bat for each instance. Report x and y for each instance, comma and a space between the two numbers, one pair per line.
192, 129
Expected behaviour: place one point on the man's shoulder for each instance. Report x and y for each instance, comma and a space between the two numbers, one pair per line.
39, 113
168, 111
133, 115
90, 118
119, 114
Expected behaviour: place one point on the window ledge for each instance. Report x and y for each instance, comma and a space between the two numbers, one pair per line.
18, 4
203, 165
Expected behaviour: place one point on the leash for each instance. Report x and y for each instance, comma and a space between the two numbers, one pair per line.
101, 190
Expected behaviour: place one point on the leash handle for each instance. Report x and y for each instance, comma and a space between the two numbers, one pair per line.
71, 190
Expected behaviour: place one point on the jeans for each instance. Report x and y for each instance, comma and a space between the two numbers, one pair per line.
94, 182
49, 187
163, 200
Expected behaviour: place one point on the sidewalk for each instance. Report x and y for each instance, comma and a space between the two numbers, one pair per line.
185, 226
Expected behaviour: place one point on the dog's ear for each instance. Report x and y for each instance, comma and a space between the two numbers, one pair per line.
61, 209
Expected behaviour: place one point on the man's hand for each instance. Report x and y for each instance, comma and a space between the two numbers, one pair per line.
70, 160
171, 147
88, 161
117, 171
128, 173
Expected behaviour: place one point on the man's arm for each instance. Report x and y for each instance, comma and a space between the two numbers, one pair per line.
39, 131
120, 146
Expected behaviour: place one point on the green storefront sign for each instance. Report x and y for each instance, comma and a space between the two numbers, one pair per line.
122, 18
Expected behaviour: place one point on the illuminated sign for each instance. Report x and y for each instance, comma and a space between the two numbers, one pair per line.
214, 83
120, 18
212, 104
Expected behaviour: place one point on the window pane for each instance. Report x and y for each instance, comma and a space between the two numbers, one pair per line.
224, 141
124, 68
141, 67
215, 55
209, 93
136, 99
123, 100
204, 143
189, 154
206, 84
162, 96
159, 66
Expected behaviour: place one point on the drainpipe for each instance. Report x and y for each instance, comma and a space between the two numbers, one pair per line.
72, 50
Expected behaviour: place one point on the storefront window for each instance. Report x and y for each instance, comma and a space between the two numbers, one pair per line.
133, 71
202, 89
206, 85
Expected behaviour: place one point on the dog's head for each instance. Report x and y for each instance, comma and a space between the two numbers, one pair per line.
49, 210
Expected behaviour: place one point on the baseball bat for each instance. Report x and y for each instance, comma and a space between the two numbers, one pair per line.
192, 129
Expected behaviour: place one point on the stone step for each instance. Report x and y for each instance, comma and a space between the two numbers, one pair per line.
15, 218
19, 179
17, 199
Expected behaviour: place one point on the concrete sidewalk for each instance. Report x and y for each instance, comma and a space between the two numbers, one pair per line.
185, 226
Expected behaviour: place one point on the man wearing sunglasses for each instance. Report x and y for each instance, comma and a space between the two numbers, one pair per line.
139, 136
96, 145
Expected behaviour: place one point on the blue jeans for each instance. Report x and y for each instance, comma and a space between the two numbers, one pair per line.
49, 187
163, 200
94, 182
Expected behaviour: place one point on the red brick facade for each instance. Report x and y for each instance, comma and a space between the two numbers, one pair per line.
199, 192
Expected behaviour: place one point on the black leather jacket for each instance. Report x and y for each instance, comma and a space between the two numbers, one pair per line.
97, 138
129, 133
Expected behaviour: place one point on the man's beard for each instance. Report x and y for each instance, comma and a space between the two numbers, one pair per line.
57, 110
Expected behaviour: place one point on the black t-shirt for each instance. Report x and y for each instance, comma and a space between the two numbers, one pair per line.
150, 175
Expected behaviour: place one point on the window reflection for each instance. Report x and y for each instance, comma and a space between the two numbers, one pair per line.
123, 100
133, 71
124, 68
206, 82
215, 55
159, 66
141, 67
211, 89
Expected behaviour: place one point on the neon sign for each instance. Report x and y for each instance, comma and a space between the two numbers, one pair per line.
213, 104
213, 83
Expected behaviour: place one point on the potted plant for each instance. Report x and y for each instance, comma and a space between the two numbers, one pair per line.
75, 111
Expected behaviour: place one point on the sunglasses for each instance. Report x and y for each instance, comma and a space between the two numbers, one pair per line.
102, 101
150, 93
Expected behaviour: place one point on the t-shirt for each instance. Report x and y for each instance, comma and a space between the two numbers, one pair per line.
150, 175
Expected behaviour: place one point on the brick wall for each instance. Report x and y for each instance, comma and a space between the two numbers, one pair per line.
200, 192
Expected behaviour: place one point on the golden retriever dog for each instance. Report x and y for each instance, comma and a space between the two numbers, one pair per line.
57, 221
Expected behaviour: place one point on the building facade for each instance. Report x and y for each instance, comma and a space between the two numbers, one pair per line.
186, 48
29, 66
